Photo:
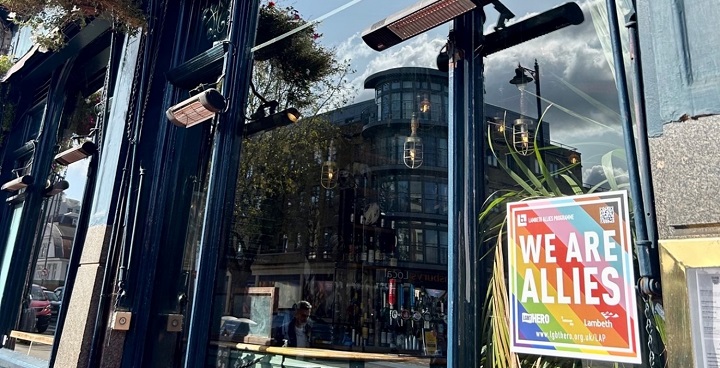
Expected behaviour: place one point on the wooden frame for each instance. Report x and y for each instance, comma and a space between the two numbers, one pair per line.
251, 314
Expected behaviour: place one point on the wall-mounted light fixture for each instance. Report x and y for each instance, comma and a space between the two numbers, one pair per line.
18, 183
196, 109
413, 148
53, 189
275, 120
521, 137
574, 158
76, 153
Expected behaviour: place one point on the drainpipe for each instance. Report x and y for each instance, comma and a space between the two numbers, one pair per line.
650, 286
225, 163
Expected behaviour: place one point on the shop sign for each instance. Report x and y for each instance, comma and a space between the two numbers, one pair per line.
571, 278
414, 276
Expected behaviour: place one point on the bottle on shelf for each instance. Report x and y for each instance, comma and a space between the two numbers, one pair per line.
371, 251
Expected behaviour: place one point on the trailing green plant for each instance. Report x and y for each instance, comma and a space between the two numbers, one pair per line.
6, 63
49, 18
7, 113
496, 348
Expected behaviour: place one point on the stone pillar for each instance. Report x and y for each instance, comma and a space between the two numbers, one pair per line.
77, 335
686, 178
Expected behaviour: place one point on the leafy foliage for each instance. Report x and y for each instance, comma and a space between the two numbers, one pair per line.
492, 219
48, 18
278, 171
297, 70
5, 64
7, 108
7, 112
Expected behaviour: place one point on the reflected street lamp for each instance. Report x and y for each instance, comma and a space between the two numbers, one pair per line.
521, 79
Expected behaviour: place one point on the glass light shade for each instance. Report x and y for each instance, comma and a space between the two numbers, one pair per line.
413, 152
329, 175
521, 137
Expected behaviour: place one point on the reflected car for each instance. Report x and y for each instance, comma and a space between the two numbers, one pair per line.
54, 302
60, 291
42, 307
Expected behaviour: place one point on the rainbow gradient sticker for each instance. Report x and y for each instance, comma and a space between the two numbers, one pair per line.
571, 278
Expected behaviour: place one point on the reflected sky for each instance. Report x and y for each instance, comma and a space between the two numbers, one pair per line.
576, 76
76, 175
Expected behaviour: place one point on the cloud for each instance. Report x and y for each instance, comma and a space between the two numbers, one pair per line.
570, 60
420, 51
571, 56
596, 174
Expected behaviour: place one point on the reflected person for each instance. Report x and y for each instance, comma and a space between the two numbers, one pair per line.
296, 333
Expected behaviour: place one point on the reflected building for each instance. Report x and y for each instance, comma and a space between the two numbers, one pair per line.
370, 251
56, 244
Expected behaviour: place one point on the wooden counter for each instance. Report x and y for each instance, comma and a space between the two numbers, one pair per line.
334, 355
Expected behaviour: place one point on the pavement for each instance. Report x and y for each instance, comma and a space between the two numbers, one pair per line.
26, 356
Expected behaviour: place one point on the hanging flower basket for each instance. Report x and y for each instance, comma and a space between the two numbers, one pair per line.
82, 120
44, 15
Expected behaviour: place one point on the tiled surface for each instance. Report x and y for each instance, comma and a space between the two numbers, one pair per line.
20, 359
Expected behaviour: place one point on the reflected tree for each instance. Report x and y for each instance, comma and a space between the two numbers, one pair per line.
278, 205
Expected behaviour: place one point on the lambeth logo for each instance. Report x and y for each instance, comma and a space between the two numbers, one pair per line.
522, 219
536, 318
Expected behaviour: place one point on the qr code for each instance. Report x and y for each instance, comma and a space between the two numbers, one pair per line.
607, 215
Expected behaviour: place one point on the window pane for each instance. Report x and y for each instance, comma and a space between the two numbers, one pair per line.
442, 152
416, 245
443, 198
431, 198
408, 105
430, 151
403, 192
415, 196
